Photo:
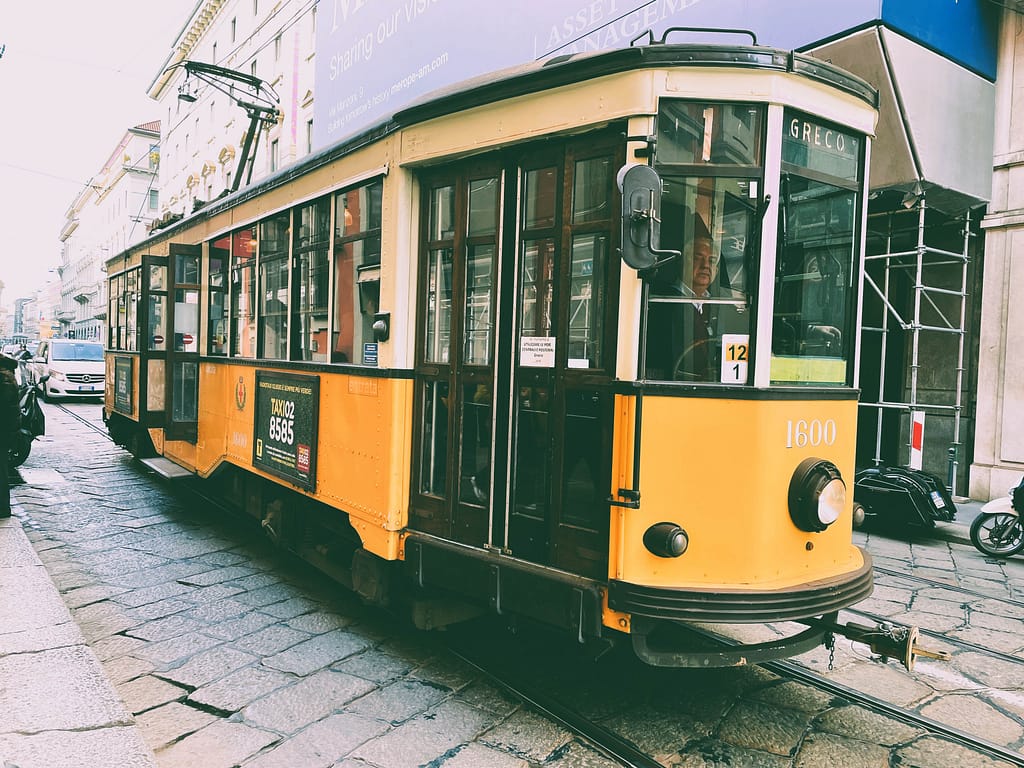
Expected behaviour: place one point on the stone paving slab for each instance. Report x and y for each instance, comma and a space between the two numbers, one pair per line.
57, 707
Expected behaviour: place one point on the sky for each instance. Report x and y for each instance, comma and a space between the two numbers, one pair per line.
73, 78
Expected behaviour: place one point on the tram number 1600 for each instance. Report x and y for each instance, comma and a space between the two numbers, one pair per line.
813, 432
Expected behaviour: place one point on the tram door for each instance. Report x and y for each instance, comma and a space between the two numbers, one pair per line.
515, 358
182, 342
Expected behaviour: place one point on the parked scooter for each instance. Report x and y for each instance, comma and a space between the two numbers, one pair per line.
999, 530
33, 424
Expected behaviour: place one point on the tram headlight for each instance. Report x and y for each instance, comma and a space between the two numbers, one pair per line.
817, 495
666, 540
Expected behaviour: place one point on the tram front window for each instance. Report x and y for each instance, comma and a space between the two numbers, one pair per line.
812, 331
698, 321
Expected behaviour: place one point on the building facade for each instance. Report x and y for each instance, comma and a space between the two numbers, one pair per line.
998, 461
112, 212
205, 128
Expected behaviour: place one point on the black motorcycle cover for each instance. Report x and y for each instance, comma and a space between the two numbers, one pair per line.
905, 496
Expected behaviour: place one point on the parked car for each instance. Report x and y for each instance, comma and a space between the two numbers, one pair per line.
69, 368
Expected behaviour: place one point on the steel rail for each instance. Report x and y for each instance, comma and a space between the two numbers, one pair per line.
796, 672
604, 741
946, 585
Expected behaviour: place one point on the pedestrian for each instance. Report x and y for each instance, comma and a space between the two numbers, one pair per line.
10, 420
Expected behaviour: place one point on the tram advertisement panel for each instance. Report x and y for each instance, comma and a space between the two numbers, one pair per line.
373, 58
123, 384
286, 423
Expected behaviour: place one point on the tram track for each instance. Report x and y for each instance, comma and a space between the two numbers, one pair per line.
794, 671
78, 417
946, 585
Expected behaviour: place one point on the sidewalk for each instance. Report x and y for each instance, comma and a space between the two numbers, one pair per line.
57, 708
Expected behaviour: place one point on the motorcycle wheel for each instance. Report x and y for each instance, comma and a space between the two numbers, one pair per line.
21, 446
998, 534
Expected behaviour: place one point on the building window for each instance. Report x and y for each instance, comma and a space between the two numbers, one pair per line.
154, 156
154, 199
275, 159
253, 68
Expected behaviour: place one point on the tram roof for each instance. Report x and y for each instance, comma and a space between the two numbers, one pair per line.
571, 68
543, 75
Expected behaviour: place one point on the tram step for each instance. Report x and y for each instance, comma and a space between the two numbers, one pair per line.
166, 468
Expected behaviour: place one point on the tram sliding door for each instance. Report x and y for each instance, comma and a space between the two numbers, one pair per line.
183, 343
516, 354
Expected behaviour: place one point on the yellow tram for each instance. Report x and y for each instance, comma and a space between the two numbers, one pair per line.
575, 342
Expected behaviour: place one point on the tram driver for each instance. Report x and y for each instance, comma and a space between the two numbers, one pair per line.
683, 329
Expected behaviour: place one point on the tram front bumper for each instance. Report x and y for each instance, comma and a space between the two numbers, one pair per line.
743, 606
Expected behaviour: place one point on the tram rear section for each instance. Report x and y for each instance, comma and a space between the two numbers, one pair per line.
475, 361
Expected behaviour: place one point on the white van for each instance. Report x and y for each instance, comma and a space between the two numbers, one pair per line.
69, 368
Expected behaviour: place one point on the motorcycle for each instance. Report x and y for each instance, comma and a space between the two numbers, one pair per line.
33, 424
999, 530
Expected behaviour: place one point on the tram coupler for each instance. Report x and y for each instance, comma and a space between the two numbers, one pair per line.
888, 640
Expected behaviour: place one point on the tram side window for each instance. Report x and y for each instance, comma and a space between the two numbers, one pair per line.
273, 287
131, 312
218, 320
115, 296
357, 228
591, 222
537, 262
123, 307
812, 333
243, 292
311, 249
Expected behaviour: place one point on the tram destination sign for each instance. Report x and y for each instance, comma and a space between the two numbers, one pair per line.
286, 424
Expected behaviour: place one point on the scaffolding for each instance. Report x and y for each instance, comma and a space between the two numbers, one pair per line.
936, 305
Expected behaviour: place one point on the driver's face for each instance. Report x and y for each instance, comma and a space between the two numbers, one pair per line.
705, 266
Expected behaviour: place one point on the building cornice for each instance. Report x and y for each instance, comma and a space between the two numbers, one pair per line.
193, 31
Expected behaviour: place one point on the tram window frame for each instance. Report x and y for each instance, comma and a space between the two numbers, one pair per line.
218, 311
242, 318
311, 273
123, 291
273, 261
115, 299
804, 354
355, 269
713, 186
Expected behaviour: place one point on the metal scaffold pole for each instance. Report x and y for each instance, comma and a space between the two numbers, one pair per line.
939, 305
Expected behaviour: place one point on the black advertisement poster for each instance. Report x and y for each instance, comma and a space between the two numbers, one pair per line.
286, 422
123, 384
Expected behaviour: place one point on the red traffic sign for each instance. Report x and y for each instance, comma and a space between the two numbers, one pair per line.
187, 338
158, 339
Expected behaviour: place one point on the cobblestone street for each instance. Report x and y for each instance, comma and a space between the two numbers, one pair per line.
223, 652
